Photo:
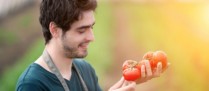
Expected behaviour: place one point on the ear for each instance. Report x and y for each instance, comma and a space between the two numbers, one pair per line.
53, 29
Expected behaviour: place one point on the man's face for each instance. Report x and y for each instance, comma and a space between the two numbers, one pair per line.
76, 40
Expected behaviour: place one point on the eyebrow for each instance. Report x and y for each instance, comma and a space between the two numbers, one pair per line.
86, 26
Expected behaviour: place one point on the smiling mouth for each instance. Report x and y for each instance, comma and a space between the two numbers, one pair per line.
84, 45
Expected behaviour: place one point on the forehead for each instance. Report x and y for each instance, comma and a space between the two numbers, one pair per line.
86, 18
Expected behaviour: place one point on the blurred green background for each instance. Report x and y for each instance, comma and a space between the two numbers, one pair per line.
124, 29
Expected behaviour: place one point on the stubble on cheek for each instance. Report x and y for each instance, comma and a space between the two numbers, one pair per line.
74, 52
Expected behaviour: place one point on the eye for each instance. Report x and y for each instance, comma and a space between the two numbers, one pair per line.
81, 30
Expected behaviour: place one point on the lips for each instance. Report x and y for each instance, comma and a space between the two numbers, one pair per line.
84, 45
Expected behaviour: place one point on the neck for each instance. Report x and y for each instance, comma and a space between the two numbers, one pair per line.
63, 63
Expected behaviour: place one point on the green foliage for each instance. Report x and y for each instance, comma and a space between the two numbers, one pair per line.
25, 21
9, 78
7, 37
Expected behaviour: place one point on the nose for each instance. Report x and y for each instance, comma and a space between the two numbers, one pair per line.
90, 35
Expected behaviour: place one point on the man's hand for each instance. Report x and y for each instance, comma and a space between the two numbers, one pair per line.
146, 71
123, 85
146, 74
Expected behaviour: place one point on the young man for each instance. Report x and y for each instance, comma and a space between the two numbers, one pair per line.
67, 28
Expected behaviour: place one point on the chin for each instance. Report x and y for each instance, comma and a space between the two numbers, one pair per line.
82, 55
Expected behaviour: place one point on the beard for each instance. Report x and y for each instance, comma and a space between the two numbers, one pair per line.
72, 51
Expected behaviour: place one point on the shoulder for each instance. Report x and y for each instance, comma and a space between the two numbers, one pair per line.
33, 72
28, 73
34, 76
31, 78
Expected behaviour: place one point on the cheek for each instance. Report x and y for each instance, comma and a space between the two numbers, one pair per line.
71, 41
73, 38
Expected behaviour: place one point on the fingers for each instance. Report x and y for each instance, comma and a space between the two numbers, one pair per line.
168, 64
125, 83
158, 70
118, 84
147, 73
143, 73
148, 68
124, 86
130, 86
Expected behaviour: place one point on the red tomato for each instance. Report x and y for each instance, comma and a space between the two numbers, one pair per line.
155, 57
131, 74
138, 66
131, 70
160, 56
148, 55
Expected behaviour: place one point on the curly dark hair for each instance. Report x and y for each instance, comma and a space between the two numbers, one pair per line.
63, 13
